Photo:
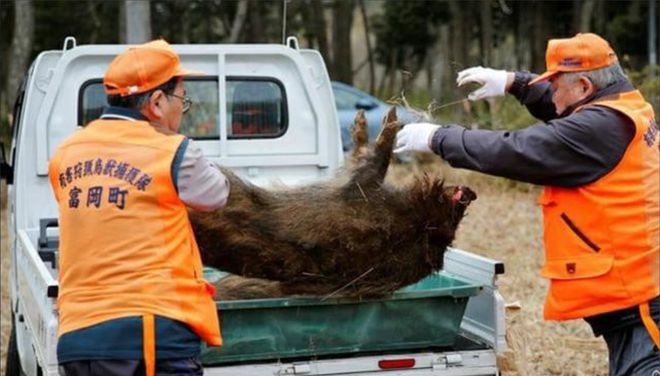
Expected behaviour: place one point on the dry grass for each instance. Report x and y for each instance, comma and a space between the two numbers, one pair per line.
503, 223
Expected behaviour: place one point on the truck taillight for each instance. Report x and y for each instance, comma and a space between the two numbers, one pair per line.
396, 363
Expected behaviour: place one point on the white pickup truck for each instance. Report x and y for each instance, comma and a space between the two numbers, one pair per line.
296, 141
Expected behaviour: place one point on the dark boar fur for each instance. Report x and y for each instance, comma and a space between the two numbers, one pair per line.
360, 238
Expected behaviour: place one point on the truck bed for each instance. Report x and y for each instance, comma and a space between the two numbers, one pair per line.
424, 315
435, 322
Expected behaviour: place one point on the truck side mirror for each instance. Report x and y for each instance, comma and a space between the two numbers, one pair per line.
6, 171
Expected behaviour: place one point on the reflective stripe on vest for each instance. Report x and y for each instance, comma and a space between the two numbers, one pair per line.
602, 239
126, 244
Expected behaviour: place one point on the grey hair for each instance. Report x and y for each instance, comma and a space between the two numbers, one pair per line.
601, 78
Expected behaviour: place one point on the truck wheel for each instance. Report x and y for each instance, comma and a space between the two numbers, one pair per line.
13, 365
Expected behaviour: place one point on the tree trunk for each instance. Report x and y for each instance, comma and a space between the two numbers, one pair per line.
599, 18
122, 22
522, 40
303, 9
383, 79
576, 8
459, 39
256, 22
635, 10
319, 29
239, 21
539, 36
96, 21
487, 44
432, 60
392, 73
582, 14
587, 14
370, 55
185, 24
486, 33
21, 47
341, 41
5, 21
138, 21
441, 73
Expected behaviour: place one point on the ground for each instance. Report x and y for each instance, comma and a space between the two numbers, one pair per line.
503, 223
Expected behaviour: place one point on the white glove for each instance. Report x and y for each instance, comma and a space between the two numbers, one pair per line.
493, 82
415, 137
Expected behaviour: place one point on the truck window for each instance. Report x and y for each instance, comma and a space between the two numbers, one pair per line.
91, 101
256, 107
201, 121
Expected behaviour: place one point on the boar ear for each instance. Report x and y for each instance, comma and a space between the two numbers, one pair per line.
463, 195
468, 194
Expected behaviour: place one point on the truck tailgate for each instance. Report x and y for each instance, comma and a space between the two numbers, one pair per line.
452, 363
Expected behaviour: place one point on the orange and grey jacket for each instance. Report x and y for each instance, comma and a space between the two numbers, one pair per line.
593, 147
602, 240
126, 245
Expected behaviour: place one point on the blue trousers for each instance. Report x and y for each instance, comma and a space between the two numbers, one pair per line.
632, 352
130, 367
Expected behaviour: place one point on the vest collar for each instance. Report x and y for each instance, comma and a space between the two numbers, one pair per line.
121, 113
612, 90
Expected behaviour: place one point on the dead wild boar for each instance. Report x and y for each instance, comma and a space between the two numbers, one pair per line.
360, 238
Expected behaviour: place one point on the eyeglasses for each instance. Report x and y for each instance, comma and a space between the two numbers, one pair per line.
187, 102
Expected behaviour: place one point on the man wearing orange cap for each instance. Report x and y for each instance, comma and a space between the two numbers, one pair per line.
132, 298
596, 153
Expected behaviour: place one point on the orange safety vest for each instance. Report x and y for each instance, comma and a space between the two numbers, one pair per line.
602, 239
126, 244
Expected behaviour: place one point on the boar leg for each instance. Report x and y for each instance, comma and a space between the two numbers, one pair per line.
369, 175
360, 137
386, 137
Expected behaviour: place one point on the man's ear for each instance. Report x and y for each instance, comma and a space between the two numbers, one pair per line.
587, 87
154, 106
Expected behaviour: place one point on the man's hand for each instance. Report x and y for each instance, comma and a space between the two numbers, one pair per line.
415, 137
494, 82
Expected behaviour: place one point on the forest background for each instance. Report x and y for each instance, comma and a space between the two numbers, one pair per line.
397, 50
392, 49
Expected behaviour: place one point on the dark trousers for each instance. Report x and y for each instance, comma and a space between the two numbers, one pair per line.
632, 353
111, 367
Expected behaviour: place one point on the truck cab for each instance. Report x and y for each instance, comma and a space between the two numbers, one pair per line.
265, 111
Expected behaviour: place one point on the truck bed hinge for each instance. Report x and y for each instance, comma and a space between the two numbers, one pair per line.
296, 369
447, 361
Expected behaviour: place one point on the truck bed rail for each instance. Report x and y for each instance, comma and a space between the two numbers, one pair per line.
485, 313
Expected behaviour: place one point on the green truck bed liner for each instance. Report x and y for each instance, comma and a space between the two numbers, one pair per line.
422, 315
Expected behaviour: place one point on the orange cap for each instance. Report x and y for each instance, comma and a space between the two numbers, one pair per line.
583, 52
142, 68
